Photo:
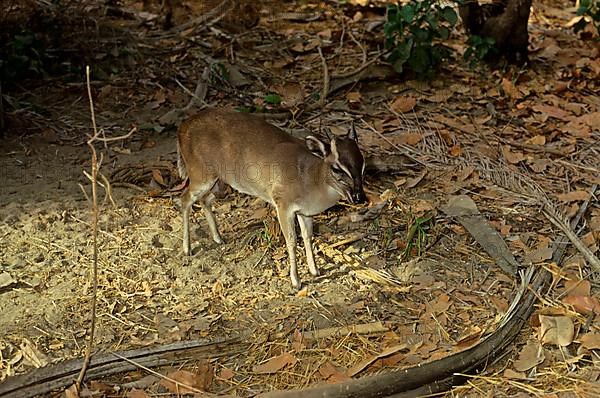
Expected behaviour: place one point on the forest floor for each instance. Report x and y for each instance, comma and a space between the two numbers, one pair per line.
474, 132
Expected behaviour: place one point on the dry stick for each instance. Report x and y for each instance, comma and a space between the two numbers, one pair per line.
575, 240
90, 143
94, 180
325, 78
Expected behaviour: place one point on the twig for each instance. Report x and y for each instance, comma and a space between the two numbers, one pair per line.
94, 203
90, 143
325, 79
550, 214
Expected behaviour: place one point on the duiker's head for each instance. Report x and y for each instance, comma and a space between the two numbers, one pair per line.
346, 164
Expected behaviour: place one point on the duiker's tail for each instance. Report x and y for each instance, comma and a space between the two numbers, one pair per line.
181, 164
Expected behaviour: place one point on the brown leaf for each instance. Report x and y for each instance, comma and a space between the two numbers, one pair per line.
353, 97
441, 304
455, 151
537, 140
136, 393
404, 104
539, 255
512, 157
510, 89
184, 382
531, 355
275, 364
361, 365
157, 176
583, 304
511, 374
573, 196
292, 94
411, 139
539, 165
578, 287
72, 392
226, 374
331, 373
557, 330
552, 111
591, 341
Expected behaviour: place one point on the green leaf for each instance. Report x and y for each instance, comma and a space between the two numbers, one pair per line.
444, 33
449, 15
272, 99
431, 21
408, 13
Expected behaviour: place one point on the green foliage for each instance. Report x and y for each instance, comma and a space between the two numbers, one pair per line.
417, 235
414, 32
272, 99
22, 56
590, 9
479, 48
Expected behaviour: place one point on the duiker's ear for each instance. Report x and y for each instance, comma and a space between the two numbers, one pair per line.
352, 132
316, 146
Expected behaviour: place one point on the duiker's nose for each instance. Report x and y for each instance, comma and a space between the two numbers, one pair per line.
359, 197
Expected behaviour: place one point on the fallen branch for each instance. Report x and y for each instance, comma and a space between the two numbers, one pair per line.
42, 381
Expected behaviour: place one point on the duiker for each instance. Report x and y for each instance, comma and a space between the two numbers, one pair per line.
300, 178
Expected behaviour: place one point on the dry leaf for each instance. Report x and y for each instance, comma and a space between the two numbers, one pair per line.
512, 157
292, 94
510, 89
32, 354
552, 111
184, 382
539, 165
583, 304
136, 393
441, 304
539, 255
412, 182
72, 392
573, 196
511, 374
331, 373
455, 151
531, 355
275, 364
404, 104
157, 176
578, 287
226, 374
360, 366
353, 97
557, 330
591, 341
537, 140
411, 139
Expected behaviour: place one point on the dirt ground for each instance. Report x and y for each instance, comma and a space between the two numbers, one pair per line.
419, 305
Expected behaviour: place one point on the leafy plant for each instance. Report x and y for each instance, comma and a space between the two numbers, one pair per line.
417, 235
272, 99
588, 10
479, 48
414, 32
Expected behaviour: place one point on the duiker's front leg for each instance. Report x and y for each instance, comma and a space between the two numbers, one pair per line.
306, 229
286, 221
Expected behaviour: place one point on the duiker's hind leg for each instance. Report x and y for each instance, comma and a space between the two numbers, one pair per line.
189, 197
